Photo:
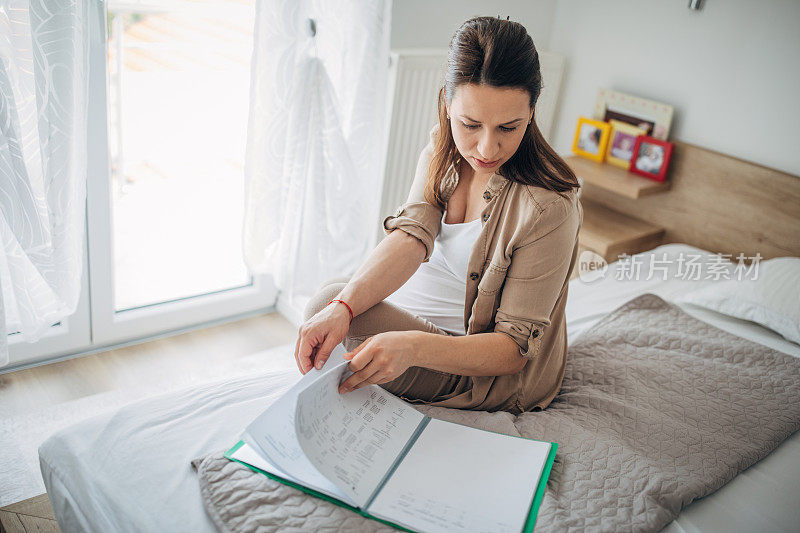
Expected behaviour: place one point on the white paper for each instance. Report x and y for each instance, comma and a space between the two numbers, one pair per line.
457, 478
353, 438
273, 434
247, 454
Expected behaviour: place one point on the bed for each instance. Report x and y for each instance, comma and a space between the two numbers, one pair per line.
129, 470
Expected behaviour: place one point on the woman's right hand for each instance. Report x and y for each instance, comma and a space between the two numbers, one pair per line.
319, 335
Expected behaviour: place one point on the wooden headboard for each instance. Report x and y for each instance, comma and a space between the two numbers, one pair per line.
719, 203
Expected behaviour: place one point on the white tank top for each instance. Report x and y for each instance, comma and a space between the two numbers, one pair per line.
437, 289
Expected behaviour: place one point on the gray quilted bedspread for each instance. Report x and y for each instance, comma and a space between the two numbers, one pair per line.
657, 409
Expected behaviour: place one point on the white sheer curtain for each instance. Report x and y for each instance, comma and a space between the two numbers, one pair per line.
313, 162
43, 109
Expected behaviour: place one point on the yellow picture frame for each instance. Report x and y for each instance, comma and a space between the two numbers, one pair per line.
613, 148
586, 140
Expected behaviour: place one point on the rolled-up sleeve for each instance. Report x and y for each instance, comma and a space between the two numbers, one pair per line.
536, 276
416, 216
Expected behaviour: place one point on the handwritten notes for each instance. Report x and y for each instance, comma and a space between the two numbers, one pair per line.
273, 434
353, 438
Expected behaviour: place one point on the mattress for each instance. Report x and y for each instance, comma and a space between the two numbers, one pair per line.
129, 470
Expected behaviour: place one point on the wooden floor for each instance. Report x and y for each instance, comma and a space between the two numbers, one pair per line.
30, 515
174, 362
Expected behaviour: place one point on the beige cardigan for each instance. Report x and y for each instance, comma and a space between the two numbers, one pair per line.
517, 283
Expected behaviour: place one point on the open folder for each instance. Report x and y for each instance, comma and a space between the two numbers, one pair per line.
375, 454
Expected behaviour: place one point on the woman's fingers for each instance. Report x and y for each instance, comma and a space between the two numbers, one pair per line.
296, 356
374, 379
324, 351
307, 343
366, 370
360, 379
351, 355
318, 337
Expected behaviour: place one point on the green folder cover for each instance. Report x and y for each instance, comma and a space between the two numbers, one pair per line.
529, 523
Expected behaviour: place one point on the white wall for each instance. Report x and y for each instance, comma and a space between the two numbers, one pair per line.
731, 70
431, 23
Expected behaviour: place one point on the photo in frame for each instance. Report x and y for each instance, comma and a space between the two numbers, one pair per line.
644, 124
621, 142
654, 117
591, 138
651, 158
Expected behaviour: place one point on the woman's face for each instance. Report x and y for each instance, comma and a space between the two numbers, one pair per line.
488, 124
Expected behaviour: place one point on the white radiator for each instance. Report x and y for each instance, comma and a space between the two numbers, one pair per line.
415, 76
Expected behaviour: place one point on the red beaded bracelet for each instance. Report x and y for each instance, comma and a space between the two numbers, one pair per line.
347, 306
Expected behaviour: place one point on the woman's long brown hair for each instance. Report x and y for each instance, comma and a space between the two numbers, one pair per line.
498, 53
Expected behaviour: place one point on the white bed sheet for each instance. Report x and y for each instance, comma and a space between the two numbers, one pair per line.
129, 470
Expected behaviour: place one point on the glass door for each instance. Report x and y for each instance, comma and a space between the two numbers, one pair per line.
168, 104
167, 198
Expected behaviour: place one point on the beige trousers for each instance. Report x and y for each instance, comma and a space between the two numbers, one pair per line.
417, 384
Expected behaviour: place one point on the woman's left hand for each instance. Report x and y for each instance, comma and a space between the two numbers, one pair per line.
380, 359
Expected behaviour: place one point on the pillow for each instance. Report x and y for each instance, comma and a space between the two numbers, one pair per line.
769, 295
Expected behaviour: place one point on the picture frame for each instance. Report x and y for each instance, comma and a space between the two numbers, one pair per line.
648, 125
621, 142
654, 117
591, 138
651, 158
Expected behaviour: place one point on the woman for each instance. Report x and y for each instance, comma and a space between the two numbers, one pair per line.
464, 307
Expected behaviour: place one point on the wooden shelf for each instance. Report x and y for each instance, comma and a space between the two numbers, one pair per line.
610, 233
613, 178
